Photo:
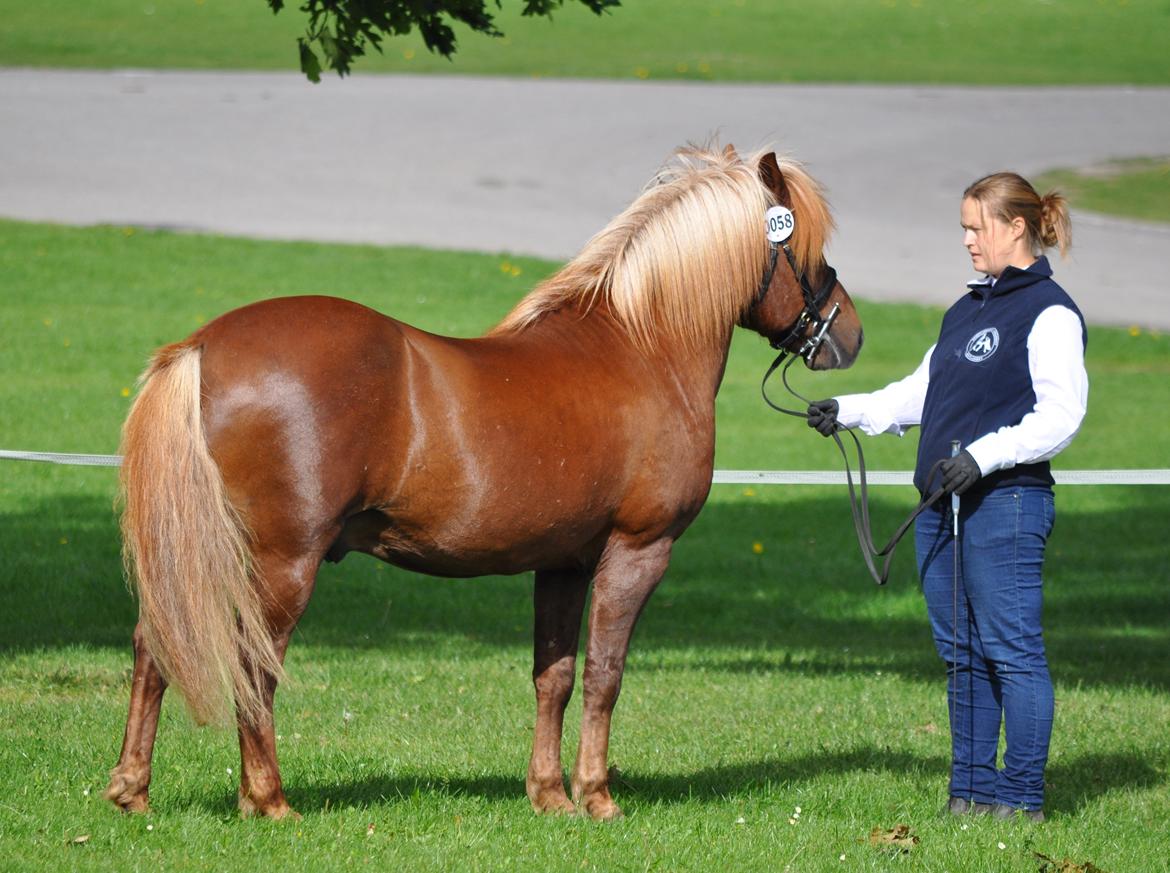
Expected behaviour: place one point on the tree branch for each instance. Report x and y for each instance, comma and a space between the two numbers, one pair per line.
340, 31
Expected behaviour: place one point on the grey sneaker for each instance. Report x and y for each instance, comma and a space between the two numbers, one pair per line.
963, 806
1003, 811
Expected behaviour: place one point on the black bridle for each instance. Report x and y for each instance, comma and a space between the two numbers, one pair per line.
810, 314
817, 326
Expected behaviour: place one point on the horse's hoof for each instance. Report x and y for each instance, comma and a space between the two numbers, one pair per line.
274, 810
138, 804
602, 809
553, 803
276, 813
126, 794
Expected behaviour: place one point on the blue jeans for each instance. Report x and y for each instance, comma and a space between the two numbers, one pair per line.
987, 630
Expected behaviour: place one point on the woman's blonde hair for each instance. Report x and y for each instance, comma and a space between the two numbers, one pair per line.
1009, 195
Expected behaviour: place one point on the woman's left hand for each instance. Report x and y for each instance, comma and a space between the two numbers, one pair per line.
960, 473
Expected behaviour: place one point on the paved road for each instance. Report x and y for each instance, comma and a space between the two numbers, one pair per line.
531, 166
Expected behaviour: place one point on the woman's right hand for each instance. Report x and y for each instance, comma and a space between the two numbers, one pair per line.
822, 416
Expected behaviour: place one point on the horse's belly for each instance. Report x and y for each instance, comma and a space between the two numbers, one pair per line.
484, 547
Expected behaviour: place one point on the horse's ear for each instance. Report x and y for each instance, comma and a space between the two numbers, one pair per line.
771, 176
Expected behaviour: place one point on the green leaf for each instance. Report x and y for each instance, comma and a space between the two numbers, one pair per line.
310, 66
329, 47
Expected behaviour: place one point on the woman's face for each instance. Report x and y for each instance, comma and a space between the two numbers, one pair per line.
992, 243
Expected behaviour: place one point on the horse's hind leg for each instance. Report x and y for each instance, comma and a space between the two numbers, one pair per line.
287, 590
559, 600
130, 779
625, 579
261, 790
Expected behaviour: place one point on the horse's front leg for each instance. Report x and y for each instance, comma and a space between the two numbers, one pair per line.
625, 578
130, 780
559, 598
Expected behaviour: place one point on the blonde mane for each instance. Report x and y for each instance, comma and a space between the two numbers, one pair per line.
686, 257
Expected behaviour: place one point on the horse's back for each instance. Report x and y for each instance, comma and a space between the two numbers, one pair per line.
459, 456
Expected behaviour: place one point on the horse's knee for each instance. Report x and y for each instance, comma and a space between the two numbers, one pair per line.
556, 680
603, 684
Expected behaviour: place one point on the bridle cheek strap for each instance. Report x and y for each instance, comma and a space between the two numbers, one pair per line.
810, 314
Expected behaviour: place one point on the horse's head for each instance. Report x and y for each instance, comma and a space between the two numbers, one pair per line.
799, 289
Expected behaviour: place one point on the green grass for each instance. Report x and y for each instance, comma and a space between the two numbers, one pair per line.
757, 682
983, 42
1135, 188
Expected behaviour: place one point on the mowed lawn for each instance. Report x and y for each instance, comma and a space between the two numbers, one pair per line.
979, 42
1134, 188
777, 706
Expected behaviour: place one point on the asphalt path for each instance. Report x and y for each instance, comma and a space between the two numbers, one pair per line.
537, 166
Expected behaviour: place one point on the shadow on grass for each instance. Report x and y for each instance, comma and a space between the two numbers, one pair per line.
631, 789
804, 604
1073, 784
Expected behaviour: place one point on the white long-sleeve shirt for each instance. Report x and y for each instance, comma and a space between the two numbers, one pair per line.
1056, 362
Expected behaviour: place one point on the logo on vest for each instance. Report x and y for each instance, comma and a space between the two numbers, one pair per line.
983, 345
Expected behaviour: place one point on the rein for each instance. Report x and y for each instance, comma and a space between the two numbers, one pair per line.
810, 320
858, 508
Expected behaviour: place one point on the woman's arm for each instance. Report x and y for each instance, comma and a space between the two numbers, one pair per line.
891, 409
1056, 361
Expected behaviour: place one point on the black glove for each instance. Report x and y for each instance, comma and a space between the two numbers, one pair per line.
959, 473
822, 416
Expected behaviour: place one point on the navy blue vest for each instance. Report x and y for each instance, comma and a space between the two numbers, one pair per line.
979, 377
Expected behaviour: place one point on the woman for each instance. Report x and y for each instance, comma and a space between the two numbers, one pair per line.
1007, 380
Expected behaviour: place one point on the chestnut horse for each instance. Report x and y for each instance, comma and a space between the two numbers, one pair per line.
575, 439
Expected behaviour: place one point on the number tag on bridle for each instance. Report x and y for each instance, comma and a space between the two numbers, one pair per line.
780, 223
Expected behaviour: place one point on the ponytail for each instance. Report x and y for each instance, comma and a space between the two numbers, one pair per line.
1055, 226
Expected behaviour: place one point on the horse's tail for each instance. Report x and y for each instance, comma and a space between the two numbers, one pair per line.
187, 550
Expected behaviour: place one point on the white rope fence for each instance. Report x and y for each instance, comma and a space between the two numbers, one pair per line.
727, 477
880, 477
60, 458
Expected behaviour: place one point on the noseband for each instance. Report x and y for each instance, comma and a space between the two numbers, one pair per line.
813, 301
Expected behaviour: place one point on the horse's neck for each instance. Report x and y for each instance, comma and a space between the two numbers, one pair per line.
596, 335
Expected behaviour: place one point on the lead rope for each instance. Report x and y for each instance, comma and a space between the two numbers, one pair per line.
858, 508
